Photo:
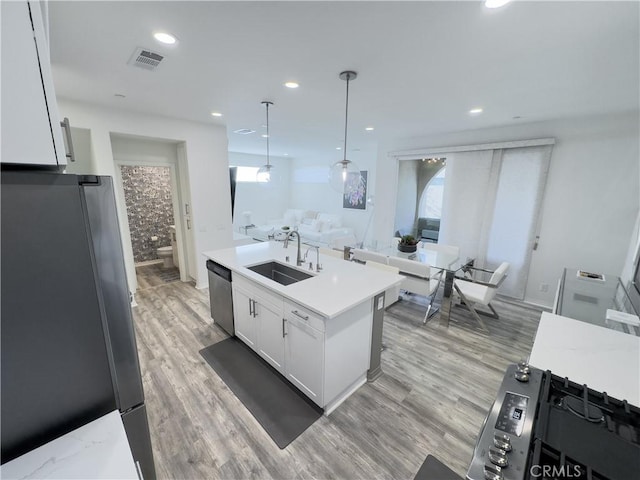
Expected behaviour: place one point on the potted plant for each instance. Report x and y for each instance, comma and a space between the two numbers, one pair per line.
407, 244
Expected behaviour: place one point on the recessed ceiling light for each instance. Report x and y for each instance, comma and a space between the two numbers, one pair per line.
285, 154
495, 3
264, 135
475, 111
338, 148
165, 38
244, 131
291, 85
216, 114
369, 129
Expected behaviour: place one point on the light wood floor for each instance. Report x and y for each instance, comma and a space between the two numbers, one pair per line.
155, 274
437, 388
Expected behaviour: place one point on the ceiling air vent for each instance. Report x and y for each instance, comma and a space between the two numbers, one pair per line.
145, 58
244, 131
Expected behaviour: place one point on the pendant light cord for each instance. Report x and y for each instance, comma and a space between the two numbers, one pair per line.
268, 135
346, 119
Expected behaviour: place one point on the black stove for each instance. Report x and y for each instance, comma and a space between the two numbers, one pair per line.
543, 426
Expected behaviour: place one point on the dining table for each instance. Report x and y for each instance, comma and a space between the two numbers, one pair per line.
449, 262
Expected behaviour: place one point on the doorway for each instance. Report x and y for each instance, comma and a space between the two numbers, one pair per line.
149, 201
149, 184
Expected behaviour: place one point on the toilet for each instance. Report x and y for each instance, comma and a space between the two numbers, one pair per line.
166, 254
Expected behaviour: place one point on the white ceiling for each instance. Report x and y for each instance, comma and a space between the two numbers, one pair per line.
421, 65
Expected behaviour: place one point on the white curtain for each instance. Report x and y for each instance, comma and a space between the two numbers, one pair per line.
469, 192
491, 208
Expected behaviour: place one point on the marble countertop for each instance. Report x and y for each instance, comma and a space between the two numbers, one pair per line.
97, 450
604, 359
340, 286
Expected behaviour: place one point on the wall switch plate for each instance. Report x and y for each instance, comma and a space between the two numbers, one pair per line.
380, 303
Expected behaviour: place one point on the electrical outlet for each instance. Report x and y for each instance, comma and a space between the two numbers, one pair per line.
544, 287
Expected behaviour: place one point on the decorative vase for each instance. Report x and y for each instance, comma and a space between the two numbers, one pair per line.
407, 248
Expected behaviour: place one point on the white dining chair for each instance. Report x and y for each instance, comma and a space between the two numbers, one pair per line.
362, 256
438, 247
419, 279
339, 243
475, 292
330, 252
391, 295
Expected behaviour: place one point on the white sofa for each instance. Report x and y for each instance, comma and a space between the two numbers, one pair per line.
322, 228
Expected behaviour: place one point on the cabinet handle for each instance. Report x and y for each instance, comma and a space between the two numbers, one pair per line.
66, 128
250, 307
284, 332
298, 314
255, 314
139, 470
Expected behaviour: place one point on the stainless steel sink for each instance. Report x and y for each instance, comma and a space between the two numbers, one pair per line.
280, 273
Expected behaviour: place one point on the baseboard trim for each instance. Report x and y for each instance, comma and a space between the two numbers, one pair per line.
148, 262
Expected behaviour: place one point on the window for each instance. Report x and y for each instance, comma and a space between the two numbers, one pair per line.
247, 174
432, 195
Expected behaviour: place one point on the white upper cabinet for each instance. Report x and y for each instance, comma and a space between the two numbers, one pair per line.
31, 132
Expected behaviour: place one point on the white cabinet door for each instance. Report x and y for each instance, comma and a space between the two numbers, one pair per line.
304, 357
270, 334
31, 131
245, 323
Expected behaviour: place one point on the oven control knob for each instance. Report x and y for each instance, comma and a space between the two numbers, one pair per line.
498, 457
523, 366
500, 440
522, 376
492, 472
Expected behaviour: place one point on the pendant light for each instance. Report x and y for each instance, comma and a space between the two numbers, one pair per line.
345, 174
264, 173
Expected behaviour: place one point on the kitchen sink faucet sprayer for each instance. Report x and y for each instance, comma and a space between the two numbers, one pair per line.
318, 266
286, 244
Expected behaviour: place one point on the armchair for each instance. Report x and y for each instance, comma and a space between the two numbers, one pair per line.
419, 279
474, 292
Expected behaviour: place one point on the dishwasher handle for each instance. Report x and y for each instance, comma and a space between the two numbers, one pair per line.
219, 270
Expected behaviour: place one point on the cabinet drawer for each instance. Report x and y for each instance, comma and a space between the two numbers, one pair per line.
293, 310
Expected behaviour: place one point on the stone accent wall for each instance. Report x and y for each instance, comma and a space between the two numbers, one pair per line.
147, 193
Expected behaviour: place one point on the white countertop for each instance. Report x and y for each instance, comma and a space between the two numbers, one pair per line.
340, 286
97, 450
606, 360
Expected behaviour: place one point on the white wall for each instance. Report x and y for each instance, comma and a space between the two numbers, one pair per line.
81, 139
265, 201
208, 174
591, 201
310, 188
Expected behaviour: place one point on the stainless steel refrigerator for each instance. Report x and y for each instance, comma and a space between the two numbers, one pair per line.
68, 343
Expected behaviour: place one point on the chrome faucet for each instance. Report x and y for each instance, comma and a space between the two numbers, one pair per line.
318, 266
286, 244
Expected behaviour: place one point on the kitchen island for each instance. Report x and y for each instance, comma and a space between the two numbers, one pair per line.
317, 332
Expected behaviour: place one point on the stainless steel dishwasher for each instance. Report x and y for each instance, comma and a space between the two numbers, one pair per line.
220, 296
